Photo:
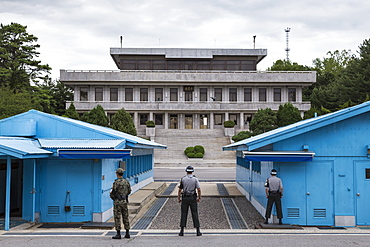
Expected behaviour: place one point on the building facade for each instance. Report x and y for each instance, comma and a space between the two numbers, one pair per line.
187, 88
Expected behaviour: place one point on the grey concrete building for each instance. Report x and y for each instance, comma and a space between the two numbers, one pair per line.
187, 88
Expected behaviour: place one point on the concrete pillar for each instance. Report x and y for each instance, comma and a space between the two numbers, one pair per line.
241, 118
151, 116
166, 119
136, 120
211, 120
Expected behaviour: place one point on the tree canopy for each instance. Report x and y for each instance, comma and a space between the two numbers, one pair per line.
122, 121
264, 120
287, 114
18, 58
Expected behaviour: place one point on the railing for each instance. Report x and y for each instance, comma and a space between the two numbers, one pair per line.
189, 71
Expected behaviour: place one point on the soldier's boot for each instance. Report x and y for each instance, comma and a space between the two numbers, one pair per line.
118, 235
266, 221
198, 232
181, 233
127, 235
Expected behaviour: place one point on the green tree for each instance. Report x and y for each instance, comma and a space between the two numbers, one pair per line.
287, 114
96, 116
264, 120
71, 112
355, 79
12, 103
122, 121
59, 94
285, 65
18, 64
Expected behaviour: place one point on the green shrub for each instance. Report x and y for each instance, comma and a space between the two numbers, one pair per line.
191, 155
198, 155
199, 149
229, 124
241, 136
150, 123
189, 150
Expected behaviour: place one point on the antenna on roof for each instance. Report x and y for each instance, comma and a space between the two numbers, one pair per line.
121, 41
287, 30
254, 41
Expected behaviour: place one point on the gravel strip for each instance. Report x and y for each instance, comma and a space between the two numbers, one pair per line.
211, 215
251, 216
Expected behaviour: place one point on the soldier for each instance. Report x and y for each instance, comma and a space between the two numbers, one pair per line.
274, 193
120, 190
187, 195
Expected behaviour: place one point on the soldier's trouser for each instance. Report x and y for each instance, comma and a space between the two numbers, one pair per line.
274, 197
189, 201
120, 209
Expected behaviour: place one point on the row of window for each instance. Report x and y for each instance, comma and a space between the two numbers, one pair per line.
159, 118
231, 65
174, 94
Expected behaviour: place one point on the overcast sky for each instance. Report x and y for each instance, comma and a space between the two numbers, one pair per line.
77, 34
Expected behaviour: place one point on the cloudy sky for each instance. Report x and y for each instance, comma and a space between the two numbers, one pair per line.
77, 34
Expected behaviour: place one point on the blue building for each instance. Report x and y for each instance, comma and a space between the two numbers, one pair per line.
324, 163
57, 169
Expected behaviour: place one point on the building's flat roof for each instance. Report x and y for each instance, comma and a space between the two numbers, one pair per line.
198, 53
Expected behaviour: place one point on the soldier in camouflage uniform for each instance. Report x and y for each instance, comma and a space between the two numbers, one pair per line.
120, 190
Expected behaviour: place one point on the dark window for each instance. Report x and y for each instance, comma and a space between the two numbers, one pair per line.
143, 118
143, 94
247, 94
173, 94
113, 94
159, 94
188, 65
218, 94
158, 119
292, 95
233, 117
248, 65
262, 94
367, 173
203, 94
277, 94
174, 65
203, 65
98, 94
128, 64
159, 65
233, 97
232, 65
218, 65
143, 65
129, 94
188, 96
218, 119
84, 94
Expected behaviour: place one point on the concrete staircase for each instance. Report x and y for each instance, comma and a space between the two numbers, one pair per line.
177, 140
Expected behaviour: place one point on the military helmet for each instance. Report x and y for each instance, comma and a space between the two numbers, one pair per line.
120, 170
273, 172
189, 169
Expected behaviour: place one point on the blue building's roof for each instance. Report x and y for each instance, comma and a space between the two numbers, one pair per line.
298, 128
62, 128
22, 148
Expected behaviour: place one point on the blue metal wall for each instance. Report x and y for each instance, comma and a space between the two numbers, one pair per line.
330, 190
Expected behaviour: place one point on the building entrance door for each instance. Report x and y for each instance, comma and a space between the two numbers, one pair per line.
173, 122
310, 201
362, 182
188, 121
66, 191
203, 121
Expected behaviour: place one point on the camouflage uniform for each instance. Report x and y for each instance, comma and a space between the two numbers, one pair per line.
121, 189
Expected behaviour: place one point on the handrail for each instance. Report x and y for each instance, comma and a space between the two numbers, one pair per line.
188, 71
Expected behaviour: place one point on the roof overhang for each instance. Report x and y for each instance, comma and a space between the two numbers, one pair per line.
94, 153
279, 156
